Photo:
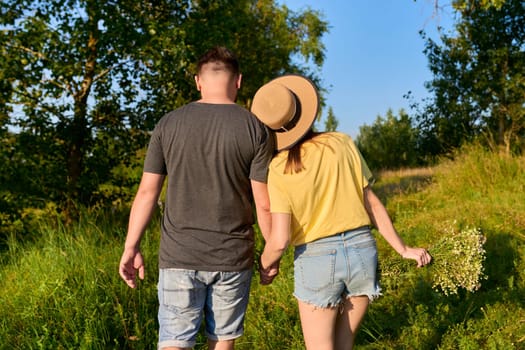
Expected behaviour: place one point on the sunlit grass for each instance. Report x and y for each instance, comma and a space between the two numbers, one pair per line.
64, 292
61, 290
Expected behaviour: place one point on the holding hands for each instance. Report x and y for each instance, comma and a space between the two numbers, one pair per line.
268, 273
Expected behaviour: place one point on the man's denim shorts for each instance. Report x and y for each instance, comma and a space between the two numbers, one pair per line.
336, 267
185, 296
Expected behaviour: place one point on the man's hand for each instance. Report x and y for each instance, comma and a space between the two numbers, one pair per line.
131, 262
269, 273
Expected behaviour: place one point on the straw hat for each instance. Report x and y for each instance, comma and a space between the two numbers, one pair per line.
288, 105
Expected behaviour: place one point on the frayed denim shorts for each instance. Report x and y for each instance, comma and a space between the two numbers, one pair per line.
336, 267
186, 296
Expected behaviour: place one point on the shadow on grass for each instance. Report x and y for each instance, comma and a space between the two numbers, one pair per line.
389, 187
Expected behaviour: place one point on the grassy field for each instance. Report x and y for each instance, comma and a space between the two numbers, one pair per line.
62, 289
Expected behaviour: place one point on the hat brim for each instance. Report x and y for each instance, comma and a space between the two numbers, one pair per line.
308, 97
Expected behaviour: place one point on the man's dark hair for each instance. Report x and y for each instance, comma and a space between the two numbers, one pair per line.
220, 54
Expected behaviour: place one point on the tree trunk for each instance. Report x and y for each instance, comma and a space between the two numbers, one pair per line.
79, 129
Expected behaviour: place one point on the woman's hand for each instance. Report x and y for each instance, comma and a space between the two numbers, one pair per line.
418, 254
269, 273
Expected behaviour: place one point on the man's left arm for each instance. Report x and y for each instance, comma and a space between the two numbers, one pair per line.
262, 207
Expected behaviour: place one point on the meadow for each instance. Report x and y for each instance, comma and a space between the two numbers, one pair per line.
61, 289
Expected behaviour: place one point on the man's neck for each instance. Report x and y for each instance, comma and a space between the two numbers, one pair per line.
216, 100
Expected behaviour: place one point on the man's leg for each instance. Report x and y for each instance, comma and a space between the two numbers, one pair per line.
221, 345
226, 308
181, 301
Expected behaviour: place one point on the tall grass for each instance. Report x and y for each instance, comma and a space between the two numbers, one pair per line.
478, 189
64, 292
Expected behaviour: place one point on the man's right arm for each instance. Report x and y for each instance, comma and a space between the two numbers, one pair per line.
142, 210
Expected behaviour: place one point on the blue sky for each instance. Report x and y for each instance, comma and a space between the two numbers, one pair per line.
374, 55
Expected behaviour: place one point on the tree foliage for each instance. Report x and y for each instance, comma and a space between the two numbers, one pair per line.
461, 4
479, 78
481, 4
331, 122
391, 142
83, 81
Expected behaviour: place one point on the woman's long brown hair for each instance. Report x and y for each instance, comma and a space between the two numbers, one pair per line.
294, 163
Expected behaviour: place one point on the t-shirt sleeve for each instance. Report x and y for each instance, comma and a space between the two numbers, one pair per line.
264, 151
367, 174
154, 161
368, 177
279, 202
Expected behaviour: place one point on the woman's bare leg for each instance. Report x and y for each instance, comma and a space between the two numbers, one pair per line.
318, 326
349, 320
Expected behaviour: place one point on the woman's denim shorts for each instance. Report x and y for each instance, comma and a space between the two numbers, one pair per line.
336, 267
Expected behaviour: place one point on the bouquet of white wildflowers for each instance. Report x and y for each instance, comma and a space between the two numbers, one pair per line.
457, 261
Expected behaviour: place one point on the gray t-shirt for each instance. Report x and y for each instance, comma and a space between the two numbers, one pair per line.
209, 153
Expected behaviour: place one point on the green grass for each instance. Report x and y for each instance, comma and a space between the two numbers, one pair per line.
65, 293
61, 290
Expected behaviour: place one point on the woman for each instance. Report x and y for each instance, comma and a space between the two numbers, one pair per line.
321, 203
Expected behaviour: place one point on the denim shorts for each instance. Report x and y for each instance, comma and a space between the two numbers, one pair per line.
186, 296
336, 267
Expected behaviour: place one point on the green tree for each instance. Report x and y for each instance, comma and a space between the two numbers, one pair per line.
64, 61
460, 4
390, 142
481, 4
331, 121
479, 78
81, 82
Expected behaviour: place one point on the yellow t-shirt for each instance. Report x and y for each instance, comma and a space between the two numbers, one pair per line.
327, 196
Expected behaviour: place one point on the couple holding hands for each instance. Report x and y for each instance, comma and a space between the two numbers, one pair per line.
310, 190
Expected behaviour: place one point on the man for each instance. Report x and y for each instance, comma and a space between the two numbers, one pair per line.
215, 156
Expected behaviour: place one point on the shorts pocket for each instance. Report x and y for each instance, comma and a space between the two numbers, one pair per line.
178, 290
315, 270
